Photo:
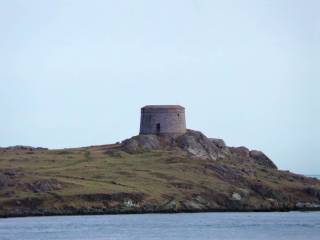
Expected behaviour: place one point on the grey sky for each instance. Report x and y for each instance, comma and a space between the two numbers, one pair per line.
75, 73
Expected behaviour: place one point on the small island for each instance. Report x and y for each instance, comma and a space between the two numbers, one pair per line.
166, 168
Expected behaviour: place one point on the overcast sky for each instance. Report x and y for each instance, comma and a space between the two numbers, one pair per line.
75, 73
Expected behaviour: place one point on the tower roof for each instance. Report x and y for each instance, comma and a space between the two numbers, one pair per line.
163, 107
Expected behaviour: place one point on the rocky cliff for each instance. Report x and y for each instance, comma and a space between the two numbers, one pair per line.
149, 173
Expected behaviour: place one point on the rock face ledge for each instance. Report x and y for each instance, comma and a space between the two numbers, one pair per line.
149, 173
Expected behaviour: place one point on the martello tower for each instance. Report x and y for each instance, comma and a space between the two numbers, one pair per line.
163, 119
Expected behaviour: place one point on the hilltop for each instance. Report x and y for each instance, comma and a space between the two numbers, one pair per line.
149, 173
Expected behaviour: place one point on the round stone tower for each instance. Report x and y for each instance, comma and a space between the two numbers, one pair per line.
163, 119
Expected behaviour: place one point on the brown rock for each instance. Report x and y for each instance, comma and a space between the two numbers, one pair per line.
262, 159
240, 151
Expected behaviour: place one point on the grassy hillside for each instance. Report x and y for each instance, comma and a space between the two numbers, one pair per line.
105, 179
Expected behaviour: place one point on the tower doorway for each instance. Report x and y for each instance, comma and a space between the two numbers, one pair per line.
158, 127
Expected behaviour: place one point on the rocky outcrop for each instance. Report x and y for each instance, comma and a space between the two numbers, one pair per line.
141, 143
195, 144
253, 155
262, 159
24, 148
12, 179
307, 206
45, 185
218, 142
242, 152
198, 145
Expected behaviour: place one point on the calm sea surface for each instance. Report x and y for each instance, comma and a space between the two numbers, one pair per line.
290, 225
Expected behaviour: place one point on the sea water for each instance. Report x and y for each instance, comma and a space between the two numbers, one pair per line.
273, 225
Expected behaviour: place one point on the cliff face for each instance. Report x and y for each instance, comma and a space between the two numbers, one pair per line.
149, 173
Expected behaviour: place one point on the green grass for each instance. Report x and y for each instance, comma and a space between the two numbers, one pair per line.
160, 175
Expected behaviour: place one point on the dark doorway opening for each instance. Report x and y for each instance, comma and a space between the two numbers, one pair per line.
158, 128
